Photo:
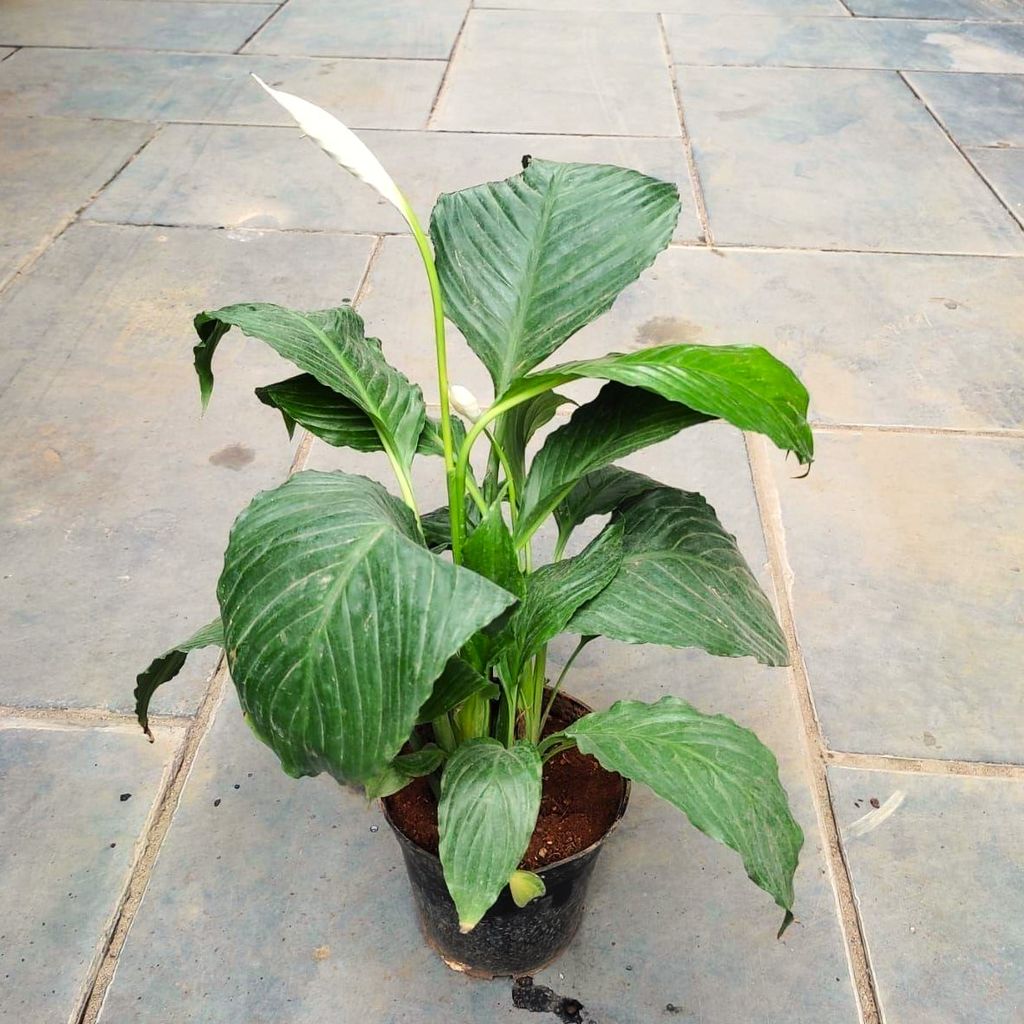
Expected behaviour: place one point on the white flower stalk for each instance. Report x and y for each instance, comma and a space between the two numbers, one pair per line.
464, 401
343, 146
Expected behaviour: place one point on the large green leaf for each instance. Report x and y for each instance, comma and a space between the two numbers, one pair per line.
490, 797
514, 428
330, 345
717, 773
682, 582
337, 621
164, 668
526, 262
600, 491
619, 421
489, 551
303, 400
742, 384
403, 769
553, 593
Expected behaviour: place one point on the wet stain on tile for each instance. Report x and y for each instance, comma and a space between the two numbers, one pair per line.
233, 456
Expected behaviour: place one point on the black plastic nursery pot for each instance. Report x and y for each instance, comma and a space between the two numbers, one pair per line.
509, 940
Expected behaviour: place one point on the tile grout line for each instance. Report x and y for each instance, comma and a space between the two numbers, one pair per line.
149, 844
902, 75
993, 433
14, 50
849, 918
696, 188
14, 717
261, 26
442, 86
721, 248
73, 218
925, 765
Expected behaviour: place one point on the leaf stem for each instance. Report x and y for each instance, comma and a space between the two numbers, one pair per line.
497, 449
584, 640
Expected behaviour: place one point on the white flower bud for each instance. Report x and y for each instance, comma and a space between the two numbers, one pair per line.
464, 401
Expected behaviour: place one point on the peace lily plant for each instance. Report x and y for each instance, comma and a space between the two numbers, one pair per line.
379, 641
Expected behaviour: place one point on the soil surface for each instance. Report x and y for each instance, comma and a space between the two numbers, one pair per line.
578, 804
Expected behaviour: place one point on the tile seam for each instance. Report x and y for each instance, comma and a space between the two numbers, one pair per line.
261, 26
442, 86
925, 765
696, 187
15, 717
769, 509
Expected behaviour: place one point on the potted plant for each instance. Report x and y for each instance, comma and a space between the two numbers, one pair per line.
404, 650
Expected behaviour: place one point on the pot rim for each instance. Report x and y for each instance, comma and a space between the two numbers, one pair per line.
620, 811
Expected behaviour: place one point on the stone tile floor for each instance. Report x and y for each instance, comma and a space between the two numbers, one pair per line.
853, 182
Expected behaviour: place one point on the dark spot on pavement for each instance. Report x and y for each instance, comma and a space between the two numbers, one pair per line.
666, 330
875, 802
125, 796
541, 999
233, 456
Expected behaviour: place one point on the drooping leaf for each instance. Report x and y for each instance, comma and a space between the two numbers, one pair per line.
337, 621
743, 385
458, 682
303, 400
403, 769
526, 262
164, 668
600, 491
490, 798
682, 582
437, 528
526, 886
554, 592
717, 773
489, 551
619, 421
330, 345
514, 428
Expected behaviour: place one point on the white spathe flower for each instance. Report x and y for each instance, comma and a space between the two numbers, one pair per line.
464, 401
342, 145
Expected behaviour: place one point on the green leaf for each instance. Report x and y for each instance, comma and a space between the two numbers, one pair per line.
526, 262
340, 422
437, 528
164, 668
514, 428
683, 583
717, 773
458, 682
600, 491
330, 345
743, 385
553, 593
526, 886
337, 621
490, 552
490, 798
619, 421
403, 769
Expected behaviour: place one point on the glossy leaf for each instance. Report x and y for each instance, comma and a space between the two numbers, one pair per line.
682, 582
526, 262
489, 551
458, 682
490, 798
330, 345
514, 428
337, 621
717, 773
303, 400
526, 886
599, 492
554, 592
743, 385
164, 668
403, 769
619, 421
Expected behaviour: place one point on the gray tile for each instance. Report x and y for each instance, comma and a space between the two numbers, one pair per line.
977, 10
549, 71
155, 25
367, 28
977, 110
671, 904
846, 43
117, 497
67, 842
270, 177
821, 7
877, 338
775, 147
51, 169
906, 553
1004, 171
938, 889
150, 86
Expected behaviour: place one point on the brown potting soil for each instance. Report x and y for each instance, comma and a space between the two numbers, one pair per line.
578, 804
